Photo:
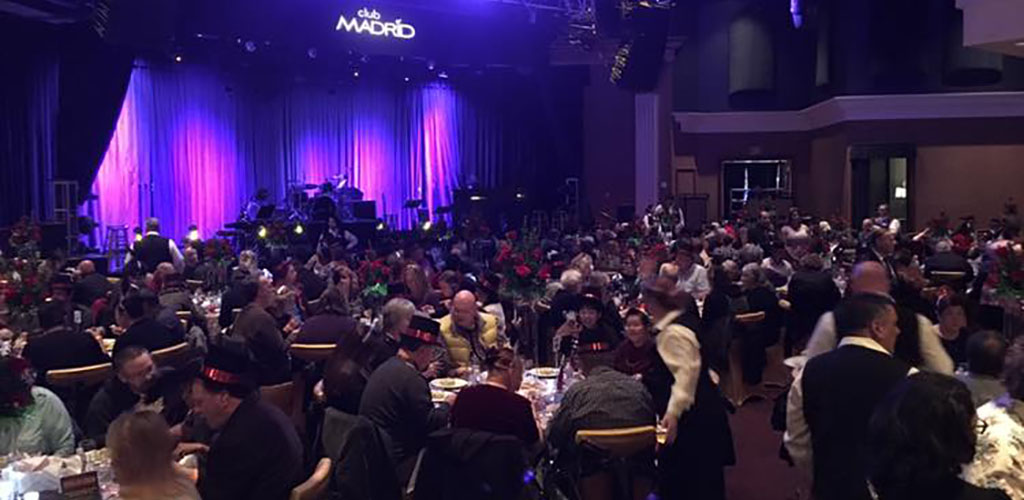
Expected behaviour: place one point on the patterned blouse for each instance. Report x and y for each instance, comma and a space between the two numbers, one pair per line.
999, 458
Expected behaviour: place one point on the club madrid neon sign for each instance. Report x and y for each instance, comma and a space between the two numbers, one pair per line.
367, 22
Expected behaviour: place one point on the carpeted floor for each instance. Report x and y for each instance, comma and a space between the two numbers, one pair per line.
759, 474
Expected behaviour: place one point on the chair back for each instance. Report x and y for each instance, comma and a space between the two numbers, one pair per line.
175, 356
312, 352
194, 285
82, 376
282, 396
314, 488
750, 318
619, 443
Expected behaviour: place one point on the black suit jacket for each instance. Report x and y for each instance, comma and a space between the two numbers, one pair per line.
811, 294
148, 333
63, 349
89, 289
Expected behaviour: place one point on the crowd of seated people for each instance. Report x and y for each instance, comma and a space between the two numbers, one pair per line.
650, 314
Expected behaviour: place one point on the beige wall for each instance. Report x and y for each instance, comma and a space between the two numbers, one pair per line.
964, 180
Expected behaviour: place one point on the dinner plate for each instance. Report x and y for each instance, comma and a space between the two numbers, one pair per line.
544, 372
439, 396
448, 384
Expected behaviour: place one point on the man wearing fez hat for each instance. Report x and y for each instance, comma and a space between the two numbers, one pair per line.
255, 452
397, 398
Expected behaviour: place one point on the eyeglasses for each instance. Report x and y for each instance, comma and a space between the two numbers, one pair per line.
980, 426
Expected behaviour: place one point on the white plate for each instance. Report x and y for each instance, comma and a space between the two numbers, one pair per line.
544, 372
448, 384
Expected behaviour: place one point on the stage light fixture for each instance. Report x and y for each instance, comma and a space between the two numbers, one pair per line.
406, 79
262, 232
177, 58
520, 196
355, 73
312, 52
427, 225
193, 233
138, 234
442, 75
299, 229
250, 46
381, 226
431, 65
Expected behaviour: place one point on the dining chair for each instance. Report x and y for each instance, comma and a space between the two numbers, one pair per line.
314, 488
82, 376
175, 355
312, 352
733, 387
619, 445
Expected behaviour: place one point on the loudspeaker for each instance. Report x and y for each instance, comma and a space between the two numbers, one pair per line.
364, 210
640, 56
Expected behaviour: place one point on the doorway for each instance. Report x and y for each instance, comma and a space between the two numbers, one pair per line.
756, 183
882, 174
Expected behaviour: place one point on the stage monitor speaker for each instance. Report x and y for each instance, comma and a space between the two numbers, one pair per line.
638, 61
364, 210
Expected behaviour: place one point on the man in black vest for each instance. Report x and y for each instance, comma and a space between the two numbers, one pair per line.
833, 396
153, 249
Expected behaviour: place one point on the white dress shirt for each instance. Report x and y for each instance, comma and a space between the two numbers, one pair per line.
680, 350
695, 281
934, 357
798, 433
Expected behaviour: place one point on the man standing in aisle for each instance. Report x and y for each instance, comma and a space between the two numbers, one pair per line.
154, 249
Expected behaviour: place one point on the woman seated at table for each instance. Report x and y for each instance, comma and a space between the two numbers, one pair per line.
640, 353
142, 457
494, 406
33, 420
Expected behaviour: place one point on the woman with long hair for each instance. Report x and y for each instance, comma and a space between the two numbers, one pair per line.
142, 457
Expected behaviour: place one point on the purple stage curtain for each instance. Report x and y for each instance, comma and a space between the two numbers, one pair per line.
192, 145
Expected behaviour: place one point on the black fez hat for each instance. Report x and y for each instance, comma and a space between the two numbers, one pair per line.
228, 363
424, 329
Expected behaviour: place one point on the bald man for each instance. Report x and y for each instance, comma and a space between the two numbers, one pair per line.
467, 333
91, 286
872, 277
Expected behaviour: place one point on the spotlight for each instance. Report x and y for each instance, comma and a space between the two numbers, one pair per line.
442, 75
427, 225
312, 52
262, 232
520, 196
250, 46
381, 226
355, 73
431, 65
138, 234
193, 233
406, 79
177, 58
477, 197
299, 229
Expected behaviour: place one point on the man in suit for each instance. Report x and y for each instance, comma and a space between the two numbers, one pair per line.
881, 246
834, 395
945, 260
144, 330
58, 346
153, 249
257, 329
91, 286
812, 292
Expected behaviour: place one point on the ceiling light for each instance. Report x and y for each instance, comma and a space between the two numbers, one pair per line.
1019, 44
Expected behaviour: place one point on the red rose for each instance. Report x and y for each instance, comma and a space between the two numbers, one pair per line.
544, 273
518, 259
386, 270
537, 253
523, 271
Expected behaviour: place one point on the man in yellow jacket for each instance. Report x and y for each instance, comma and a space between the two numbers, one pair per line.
467, 333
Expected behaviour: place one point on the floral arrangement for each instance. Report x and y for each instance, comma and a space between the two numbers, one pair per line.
375, 275
25, 238
1006, 272
522, 267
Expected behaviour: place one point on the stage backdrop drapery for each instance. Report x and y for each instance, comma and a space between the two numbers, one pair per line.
191, 145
